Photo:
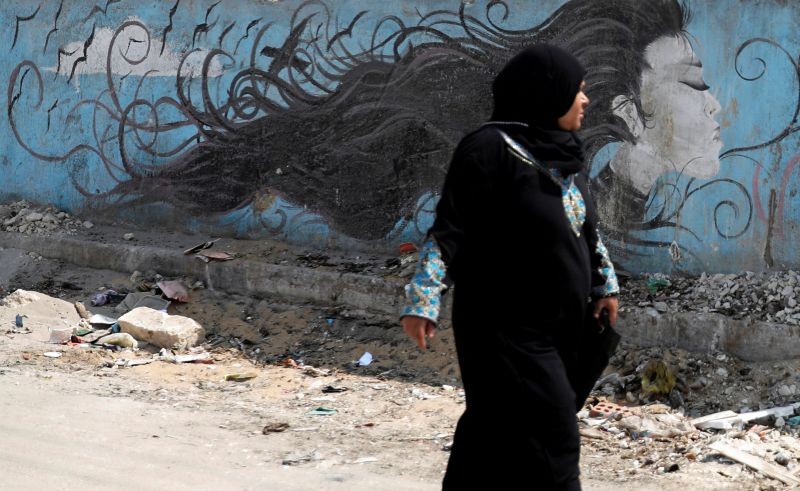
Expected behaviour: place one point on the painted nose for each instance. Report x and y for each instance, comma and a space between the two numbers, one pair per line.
712, 105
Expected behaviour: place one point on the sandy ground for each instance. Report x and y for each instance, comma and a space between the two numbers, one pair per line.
75, 423
81, 422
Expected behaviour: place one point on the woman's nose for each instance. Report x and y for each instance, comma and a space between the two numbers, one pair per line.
712, 105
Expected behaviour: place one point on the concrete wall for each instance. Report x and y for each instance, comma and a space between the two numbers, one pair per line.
332, 122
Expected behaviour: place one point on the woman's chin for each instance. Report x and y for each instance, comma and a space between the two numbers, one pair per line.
705, 168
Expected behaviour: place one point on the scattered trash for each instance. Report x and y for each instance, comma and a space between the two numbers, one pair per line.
133, 363
104, 297
299, 459
207, 256
330, 389
240, 377
26, 356
364, 460
200, 247
18, 320
153, 302
322, 411
60, 335
52, 354
102, 319
365, 359
167, 356
142, 299
407, 248
128, 236
121, 339
275, 428
420, 394
174, 290
656, 283
657, 379
315, 372
81, 309
756, 463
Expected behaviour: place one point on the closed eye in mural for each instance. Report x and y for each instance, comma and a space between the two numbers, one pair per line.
355, 119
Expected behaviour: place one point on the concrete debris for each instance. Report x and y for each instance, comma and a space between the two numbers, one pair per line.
768, 296
27, 218
637, 428
756, 463
161, 329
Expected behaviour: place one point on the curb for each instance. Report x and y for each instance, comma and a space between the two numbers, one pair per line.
746, 339
241, 276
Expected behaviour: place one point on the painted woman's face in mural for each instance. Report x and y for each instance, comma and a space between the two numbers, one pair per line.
679, 133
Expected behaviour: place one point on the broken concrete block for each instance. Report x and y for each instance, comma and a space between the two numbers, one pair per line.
161, 329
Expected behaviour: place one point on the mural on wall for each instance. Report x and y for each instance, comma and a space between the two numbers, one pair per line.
311, 114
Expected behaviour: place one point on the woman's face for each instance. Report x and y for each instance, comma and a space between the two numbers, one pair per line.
680, 133
571, 121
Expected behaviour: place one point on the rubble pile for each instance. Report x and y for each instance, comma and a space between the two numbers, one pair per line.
654, 438
699, 383
26, 218
767, 296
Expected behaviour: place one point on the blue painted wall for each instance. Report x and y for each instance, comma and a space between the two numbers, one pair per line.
332, 122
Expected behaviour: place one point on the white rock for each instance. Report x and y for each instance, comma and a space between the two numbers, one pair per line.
128, 236
33, 217
722, 372
784, 390
161, 329
88, 224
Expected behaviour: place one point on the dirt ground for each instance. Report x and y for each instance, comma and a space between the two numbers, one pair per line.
392, 421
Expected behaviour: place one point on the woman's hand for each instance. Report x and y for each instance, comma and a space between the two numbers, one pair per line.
611, 304
419, 328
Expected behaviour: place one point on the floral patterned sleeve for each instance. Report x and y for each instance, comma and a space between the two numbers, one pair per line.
606, 270
423, 293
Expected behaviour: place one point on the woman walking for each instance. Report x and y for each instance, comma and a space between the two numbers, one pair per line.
516, 231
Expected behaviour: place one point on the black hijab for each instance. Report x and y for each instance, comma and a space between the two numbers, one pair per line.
537, 87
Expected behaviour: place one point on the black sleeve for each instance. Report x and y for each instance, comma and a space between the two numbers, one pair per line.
468, 182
